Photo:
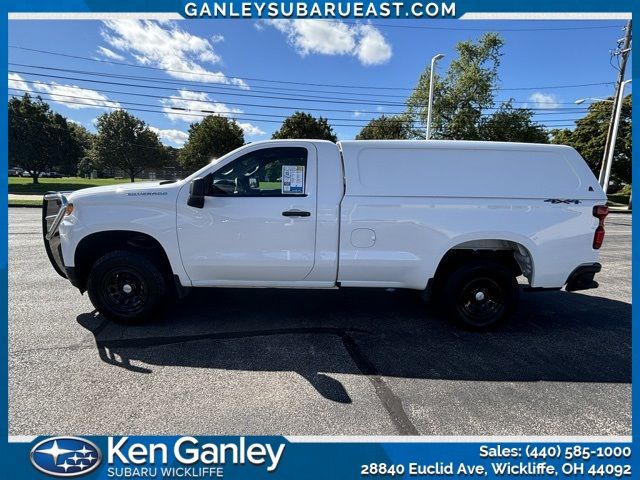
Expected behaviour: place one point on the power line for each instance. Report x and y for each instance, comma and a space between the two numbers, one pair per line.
560, 111
231, 115
270, 97
228, 87
183, 83
417, 129
146, 146
103, 103
276, 81
217, 92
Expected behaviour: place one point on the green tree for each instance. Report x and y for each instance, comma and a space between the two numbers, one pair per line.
85, 167
461, 96
590, 135
125, 142
84, 138
39, 138
397, 127
305, 125
171, 157
508, 124
213, 137
82, 135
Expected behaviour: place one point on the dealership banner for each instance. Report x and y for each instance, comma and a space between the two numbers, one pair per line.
190, 455
279, 457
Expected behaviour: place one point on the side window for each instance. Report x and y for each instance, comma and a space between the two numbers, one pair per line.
268, 172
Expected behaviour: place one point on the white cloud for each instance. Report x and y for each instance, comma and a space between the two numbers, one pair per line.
74, 97
177, 137
309, 36
71, 96
177, 108
544, 100
373, 48
17, 82
250, 130
166, 46
110, 54
336, 38
357, 114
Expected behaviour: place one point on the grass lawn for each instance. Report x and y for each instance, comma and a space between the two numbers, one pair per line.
35, 202
25, 185
618, 198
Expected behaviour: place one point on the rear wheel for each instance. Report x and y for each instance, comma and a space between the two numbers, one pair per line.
125, 286
481, 294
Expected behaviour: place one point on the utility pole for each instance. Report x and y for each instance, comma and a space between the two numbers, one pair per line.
614, 136
624, 54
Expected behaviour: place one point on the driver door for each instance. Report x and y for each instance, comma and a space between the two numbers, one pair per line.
258, 222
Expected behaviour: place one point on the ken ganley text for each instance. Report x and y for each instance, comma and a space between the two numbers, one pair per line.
229, 9
187, 457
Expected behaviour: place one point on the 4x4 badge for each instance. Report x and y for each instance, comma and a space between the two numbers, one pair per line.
562, 200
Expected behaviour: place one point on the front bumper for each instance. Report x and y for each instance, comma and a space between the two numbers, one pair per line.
582, 277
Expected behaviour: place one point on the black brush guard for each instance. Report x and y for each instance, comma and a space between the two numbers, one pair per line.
53, 208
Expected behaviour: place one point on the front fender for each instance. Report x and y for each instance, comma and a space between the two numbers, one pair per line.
156, 219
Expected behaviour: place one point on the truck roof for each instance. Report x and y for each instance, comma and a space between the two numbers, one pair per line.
458, 144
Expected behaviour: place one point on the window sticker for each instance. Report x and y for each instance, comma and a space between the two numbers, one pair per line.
292, 179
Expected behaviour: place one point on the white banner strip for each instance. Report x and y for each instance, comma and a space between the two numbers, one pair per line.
453, 439
418, 439
22, 438
546, 16
465, 16
93, 15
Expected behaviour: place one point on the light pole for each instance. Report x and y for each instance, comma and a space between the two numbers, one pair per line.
433, 65
614, 135
582, 100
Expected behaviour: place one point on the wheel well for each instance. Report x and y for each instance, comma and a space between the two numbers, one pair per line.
513, 255
94, 246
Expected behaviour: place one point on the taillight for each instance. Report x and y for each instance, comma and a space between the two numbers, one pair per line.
600, 212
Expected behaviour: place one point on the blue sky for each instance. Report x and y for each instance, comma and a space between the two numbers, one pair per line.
260, 72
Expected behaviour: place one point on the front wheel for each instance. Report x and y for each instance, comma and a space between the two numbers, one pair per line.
125, 286
481, 294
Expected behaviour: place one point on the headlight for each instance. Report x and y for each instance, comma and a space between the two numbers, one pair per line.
69, 209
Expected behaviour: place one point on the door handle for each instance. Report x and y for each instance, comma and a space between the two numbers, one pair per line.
296, 213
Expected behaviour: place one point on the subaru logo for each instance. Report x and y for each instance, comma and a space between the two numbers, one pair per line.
65, 456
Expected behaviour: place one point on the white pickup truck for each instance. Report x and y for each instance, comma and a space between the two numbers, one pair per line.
458, 221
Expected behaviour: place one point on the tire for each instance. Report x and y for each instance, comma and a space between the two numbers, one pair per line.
126, 287
480, 295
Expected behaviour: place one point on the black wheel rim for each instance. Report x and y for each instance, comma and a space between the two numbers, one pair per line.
481, 301
124, 290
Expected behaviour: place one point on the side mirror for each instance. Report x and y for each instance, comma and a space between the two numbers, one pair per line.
196, 192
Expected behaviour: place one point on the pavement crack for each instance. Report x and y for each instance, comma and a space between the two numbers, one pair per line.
390, 401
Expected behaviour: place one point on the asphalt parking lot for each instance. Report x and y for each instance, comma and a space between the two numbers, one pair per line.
348, 362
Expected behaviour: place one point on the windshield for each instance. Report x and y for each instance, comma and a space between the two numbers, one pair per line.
203, 171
